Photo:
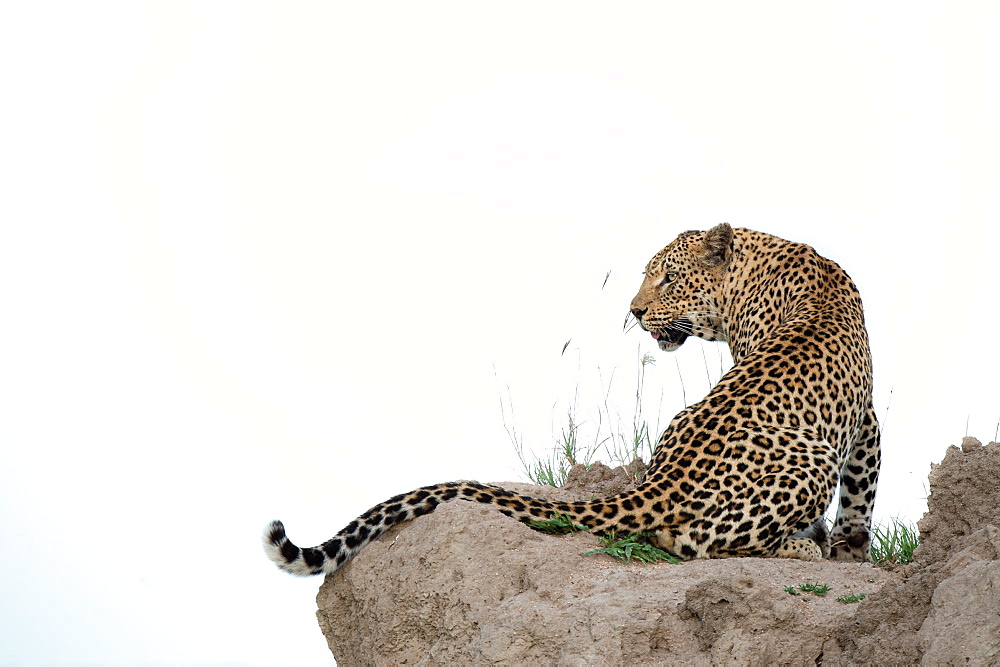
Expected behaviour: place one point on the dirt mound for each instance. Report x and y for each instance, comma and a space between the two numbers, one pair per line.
468, 585
946, 608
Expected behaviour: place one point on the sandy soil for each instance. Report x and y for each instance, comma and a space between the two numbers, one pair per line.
468, 585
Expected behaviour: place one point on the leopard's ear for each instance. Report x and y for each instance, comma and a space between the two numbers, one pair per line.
717, 246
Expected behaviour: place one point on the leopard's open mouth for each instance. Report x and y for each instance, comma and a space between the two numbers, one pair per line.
674, 335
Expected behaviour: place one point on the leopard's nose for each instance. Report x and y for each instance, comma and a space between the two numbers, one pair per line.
638, 313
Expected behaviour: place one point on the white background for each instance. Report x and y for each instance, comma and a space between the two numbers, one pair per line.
282, 260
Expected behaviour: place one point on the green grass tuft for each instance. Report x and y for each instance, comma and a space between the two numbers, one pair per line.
557, 524
816, 589
894, 543
580, 440
852, 598
630, 547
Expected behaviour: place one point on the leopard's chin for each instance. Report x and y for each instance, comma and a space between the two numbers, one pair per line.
670, 346
674, 336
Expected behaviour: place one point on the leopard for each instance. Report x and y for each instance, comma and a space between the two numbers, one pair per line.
749, 471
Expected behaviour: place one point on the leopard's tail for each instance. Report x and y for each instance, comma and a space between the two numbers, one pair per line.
335, 552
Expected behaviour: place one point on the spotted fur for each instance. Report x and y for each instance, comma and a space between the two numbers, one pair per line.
749, 470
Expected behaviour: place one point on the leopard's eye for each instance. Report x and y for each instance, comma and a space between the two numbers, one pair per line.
670, 277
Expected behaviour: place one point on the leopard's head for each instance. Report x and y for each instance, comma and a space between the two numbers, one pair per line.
678, 296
